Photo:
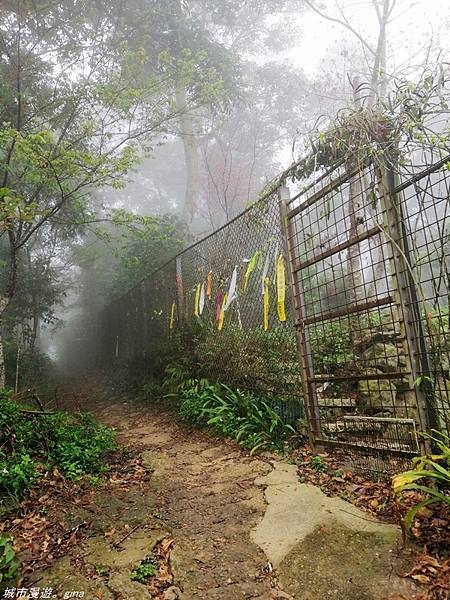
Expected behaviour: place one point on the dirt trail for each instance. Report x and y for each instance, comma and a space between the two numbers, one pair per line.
203, 495
205, 499
209, 501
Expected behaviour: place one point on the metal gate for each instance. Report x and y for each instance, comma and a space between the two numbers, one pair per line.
359, 320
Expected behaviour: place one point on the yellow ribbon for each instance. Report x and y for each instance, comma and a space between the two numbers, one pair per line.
197, 298
222, 312
251, 267
266, 303
281, 289
172, 316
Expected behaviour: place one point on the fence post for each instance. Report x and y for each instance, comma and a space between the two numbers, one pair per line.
302, 335
180, 290
406, 296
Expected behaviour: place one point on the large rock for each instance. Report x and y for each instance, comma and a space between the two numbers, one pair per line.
381, 356
376, 395
324, 547
63, 577
337, 563
140, 544
294, 509
173, 593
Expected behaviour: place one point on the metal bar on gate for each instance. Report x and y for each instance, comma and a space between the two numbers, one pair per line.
424, 358
327, 189
390, 451
303, 342
364, 377
418, 176
317, 180
348, 310
356, 239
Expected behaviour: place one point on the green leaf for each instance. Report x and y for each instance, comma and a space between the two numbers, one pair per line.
409, 518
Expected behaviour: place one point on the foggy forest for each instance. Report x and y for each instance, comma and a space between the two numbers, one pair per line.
224, 299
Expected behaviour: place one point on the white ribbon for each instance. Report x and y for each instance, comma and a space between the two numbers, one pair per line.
201, 302
232, 290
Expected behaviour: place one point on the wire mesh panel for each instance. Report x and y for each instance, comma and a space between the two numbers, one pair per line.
425, 206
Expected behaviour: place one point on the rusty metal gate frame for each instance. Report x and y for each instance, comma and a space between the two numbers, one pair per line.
404, 297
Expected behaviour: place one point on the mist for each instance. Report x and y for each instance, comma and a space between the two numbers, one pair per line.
183, 118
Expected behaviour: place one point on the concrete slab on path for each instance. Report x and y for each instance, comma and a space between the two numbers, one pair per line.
294, 510
324, 547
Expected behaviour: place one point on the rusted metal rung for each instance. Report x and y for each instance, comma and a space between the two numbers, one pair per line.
366, 446
327, 189
348, 310
421, 175
357, 239
303, 342
316, 181
367, 377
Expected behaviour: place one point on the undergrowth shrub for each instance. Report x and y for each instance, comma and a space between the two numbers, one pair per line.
195, 397
9, 565
435, 469
31, 444
145, 570
77, 443
17, 473
247, 418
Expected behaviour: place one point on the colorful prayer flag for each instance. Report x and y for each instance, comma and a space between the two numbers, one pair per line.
209, 285
251, 267
222, 312
232, 290
219, 300
172, 316
197, 298
201, 301
281, 289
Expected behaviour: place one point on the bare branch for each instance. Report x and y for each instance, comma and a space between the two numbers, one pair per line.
345, 23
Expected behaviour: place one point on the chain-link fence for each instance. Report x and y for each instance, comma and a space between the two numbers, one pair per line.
216, 309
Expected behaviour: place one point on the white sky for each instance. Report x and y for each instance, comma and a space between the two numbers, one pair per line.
413, 25
414, 22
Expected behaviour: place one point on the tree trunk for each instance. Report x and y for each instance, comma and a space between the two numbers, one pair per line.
191, 158
356, 216
4, 301
355, 285
378, 92
378, 83
19, 341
